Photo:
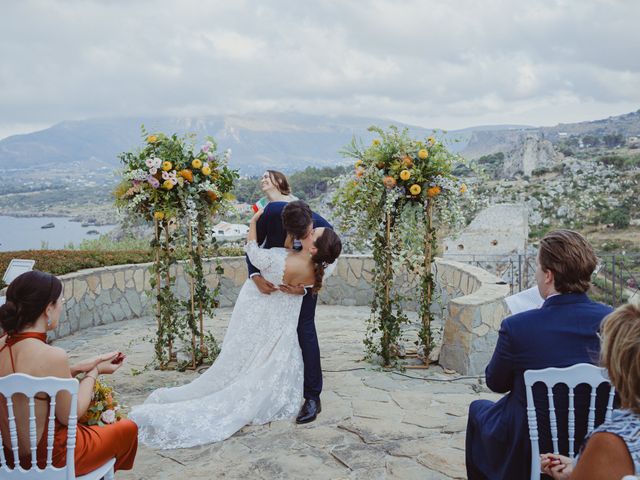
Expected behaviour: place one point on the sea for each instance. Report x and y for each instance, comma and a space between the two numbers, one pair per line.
26, 233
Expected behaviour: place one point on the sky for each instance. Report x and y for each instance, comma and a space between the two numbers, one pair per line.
438, 64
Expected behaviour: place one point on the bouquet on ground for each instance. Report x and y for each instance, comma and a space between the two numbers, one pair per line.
104, 408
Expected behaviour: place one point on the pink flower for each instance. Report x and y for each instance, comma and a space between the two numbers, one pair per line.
153, 181
108, 416
205, 148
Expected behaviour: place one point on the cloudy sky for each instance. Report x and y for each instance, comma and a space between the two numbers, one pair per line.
446, 63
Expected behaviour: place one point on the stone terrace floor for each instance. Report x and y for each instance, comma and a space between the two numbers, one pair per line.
374, 424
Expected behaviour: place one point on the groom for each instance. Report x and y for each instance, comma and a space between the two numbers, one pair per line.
296, 219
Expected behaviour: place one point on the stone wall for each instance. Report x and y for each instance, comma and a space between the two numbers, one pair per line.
468, 298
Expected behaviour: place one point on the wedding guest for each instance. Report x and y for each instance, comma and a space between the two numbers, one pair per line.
276, 187
561, 333
612, 450
33, 306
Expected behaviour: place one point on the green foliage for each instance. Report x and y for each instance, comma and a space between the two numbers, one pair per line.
492, 164
60, 262
398, 189
619, 217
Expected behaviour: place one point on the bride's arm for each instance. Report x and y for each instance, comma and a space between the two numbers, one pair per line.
252, 236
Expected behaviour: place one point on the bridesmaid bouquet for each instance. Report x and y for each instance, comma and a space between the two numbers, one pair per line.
104, 408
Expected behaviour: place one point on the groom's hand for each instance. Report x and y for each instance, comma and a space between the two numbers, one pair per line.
264, 285
292, 289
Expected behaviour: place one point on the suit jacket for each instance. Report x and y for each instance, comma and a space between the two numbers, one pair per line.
559, 334
270, 228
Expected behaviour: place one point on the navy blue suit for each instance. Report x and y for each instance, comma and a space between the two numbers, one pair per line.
559, 334
272, 233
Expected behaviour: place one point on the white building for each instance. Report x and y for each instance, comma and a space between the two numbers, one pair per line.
230, 230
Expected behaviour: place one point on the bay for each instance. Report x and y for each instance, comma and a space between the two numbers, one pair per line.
25, 233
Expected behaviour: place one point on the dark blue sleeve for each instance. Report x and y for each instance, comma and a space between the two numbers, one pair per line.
500, 371
318, 222
261, 228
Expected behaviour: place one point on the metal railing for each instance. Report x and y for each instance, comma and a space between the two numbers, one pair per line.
616, 280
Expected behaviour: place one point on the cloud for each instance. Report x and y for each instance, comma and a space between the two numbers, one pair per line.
445, 64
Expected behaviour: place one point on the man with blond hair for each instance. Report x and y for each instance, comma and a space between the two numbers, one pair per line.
561, 333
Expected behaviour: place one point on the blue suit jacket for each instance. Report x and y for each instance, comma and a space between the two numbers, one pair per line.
559, 334
270, 228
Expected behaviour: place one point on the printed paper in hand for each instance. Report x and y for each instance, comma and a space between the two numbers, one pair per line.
525, 300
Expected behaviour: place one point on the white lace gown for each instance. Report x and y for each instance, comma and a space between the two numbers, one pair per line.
256, 379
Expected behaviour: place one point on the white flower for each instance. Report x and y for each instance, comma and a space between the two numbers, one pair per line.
108, 416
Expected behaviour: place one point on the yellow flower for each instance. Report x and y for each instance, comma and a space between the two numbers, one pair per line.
166, 166
158, 215
423, 154
197, 163
376, 142
431, 140
167, 185
415, 189
389, 182
433, 191
358, 163
229, 196
405, 174
463, 188
152, 139
206, 170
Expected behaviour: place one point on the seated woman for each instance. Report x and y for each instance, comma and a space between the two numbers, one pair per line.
561, 333
613, 449
33, 306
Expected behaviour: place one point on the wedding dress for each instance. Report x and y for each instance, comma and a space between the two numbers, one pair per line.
256, 379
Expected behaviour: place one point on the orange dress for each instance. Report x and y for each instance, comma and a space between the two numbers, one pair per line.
95, 445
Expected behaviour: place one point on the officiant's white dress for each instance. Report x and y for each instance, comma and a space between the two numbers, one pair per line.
257, 378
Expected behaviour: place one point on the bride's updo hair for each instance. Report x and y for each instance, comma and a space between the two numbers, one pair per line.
329, 247
280, 181
28, 296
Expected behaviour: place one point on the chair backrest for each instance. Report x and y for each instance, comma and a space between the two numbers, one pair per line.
30, 386
581, 373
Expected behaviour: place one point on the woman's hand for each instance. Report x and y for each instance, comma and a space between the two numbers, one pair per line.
557, 466
90, 363
257, 215
111, 364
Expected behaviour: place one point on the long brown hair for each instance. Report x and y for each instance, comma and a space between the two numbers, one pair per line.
329, 248
280, 181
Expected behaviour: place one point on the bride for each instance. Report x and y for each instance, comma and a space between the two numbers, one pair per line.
258, 376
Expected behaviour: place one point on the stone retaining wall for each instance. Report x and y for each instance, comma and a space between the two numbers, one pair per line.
470, 301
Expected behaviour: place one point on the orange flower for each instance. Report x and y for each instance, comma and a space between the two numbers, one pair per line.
389, 182
212, 196
423, 154
405, 174
407, 161
152, 139
433, 191
359, 172
380, 165
463, 188
187, 175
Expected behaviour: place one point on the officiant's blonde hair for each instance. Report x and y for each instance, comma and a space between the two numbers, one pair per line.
620, 353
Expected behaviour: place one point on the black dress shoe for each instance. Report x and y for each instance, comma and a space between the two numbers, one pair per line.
309, 411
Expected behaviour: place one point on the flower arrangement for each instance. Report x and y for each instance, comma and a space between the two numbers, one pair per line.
104, 408
400, 189
159, 180
179, 188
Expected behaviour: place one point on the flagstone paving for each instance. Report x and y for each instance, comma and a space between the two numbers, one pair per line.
374, 424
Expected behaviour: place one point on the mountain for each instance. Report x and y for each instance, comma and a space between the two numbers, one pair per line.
485, 141
286, 142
